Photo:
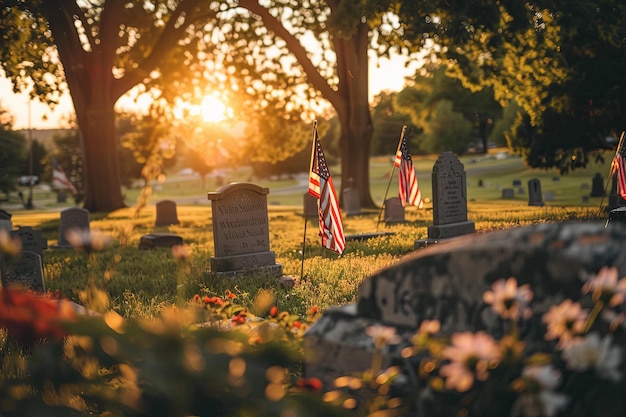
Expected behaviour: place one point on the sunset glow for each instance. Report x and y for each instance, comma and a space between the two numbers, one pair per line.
212, 109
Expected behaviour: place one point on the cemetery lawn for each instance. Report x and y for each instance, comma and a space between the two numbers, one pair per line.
140, 283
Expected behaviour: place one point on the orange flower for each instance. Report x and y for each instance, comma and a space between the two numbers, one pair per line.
29, 317
229, 294
239, 318
273, 311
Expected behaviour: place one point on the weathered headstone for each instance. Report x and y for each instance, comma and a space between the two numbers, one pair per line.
5, 221
549, 196
446, 282
73, 218
449, 201
309, 205
394, 211
597, 186
26, 272
159, 240
351, 201
241, 231
166, 213
535, 197
508, 193
32, 239
517, 183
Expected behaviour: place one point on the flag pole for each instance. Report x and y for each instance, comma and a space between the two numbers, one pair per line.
306, 202
611, 171
393, 167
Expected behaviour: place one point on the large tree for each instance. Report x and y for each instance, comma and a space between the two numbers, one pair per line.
278, 55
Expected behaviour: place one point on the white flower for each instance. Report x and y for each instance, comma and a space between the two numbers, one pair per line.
509, 300
594, 353
471, 356
539, 398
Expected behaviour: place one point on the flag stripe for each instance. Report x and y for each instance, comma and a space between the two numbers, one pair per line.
621, 175
321, 187
408, 188
60, 180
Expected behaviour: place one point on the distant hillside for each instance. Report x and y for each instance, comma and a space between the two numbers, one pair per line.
44, 136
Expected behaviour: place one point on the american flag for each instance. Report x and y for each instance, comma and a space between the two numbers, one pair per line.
321, 187
619, 165
408, 189
60, 180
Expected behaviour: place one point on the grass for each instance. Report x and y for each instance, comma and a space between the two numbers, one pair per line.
141, 282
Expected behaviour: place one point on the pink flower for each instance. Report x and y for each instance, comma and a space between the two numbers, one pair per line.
605, 287
565, 322
382, 335
471, 356
508, 300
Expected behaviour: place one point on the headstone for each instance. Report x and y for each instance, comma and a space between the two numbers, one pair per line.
597, 186
61, 197
585, 199
480, 183
449, 193
26, 272
535, 197
394, 211
351, 201
159, 240
508, 193
73, 218
556, 178
5, 221
241, 232
520, 190
617, 216
310, 205
517, 183
166, 214
32, 239
446, 282
549, 196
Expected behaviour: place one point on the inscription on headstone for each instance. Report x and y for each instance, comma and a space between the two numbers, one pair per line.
32, 239
241, 228
72, 218
166, 213
535, 197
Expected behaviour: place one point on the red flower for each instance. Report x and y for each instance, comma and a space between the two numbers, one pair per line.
239, 318
206, 299
311, 384
229, 294
314, 310
273, 311
297, 324
29, 317
196, 297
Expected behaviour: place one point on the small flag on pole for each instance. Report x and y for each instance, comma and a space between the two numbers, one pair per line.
60, 180
321, 187
408, 189
619, 165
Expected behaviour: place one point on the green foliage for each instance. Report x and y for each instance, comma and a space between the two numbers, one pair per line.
12, 152
447, 131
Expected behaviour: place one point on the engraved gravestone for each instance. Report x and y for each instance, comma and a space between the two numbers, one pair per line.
32, 239
73, 218
241, 231
25, 272
535, 197
166, 213
449, 201
597, 186
394, 211
5, 221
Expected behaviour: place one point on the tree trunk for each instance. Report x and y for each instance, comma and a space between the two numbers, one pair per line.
102, 179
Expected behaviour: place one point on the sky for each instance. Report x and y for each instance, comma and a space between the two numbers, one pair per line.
386, 75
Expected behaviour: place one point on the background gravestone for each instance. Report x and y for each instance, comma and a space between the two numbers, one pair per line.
5, 221
597, 186
241, 231
309, 205
32, 239
394, 211
449, 201
508, 193
351, 201
71, 218
446, 282
166, 213
25, 272
535, 198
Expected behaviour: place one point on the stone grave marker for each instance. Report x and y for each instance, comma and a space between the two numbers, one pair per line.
351, 201
520, 190
166, 213
597, 186
517, 183
241, 231
449, 191
5, 221
32, 239
394, 211
159, 240
71, 218
549, 196
25, 272
446, 282
535, 197
508, 193
309, 205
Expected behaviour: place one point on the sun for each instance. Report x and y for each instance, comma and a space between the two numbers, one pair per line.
213, 110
